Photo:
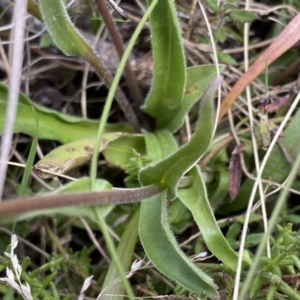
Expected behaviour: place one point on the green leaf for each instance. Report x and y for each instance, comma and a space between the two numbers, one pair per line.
52, 124
104, 228
243, 16
295, 219
218, 190
234, 231
196, 200
179, 217
163, 251
120, 151
46, 40
169, 69
198, 79
253, 240
233, 2
220, 34
291, 138
46, 281
71, 155
168, 171
63, 32
71, 42
212, 4
226, 58
159, 144
69, 297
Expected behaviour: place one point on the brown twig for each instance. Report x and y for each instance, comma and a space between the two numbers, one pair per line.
122, 100
117, 40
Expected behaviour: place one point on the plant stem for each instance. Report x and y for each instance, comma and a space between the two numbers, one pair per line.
113, 252
116, 196
125, 251
122, 100
117, 40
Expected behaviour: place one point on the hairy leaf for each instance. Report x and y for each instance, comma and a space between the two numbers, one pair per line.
52, 124
168, 171
163, 251
160, 144
198, 79
196, 200
169, 70
61, 29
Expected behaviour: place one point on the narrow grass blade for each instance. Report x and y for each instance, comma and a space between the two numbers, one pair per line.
112, 287
30, 159
113, 252
115, 81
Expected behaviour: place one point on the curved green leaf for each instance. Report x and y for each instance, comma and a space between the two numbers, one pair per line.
198, 79
72, 155
52, 124
163, 251
159, 144
168, 64
120, 151
213, 5
169, 171
195, 199
218, 190
63, 32
71, 42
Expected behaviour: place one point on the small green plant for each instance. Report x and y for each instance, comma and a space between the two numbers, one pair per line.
160, 174
30, 285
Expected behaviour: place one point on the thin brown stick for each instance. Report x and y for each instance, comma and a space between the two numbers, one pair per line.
122, 100
117, 40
